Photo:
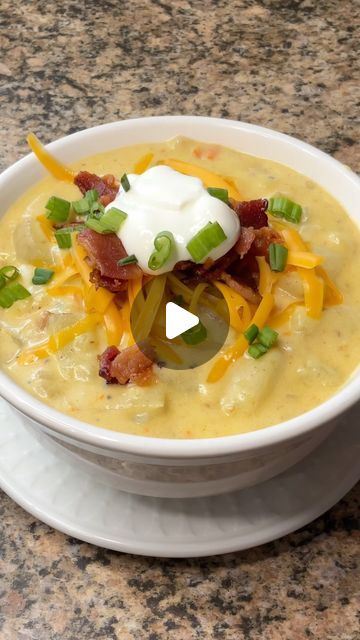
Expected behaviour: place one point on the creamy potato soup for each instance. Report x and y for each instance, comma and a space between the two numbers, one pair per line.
135, 224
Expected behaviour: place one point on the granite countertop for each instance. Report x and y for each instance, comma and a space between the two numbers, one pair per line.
288, 64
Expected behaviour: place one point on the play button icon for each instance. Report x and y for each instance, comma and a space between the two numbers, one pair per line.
178, 320
184, 328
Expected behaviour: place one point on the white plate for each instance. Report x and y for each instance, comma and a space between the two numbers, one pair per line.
58, 492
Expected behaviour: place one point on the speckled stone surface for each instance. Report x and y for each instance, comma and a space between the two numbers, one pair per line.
288, 64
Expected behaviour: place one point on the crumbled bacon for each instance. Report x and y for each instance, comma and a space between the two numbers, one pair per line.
104, 251
131, 365
251, 213
107, 186
105, 361
246, 238
264, 237
111, 284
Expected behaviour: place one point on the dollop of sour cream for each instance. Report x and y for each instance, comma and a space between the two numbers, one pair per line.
161, 199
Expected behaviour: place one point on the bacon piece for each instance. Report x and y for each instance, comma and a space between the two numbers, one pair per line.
104, 250
264, 237
246, 238
111, 284
131, 365
105, 361
251, 213
107, 186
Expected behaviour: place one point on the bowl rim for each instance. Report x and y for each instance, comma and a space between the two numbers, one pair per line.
174, 448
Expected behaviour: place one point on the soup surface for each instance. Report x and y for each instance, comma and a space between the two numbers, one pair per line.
310, 361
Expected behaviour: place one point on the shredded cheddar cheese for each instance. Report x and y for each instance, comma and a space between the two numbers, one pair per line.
313, 292
267, 277
46, 227
239, 347
113, 324
208, 178
304, 259
54, 166
239, 310
143, 164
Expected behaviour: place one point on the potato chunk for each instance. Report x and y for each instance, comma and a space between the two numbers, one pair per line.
249, 381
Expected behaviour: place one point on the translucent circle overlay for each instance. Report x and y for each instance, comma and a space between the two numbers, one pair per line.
192, 348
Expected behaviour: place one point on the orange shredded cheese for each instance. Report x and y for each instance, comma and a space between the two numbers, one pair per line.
283, 316
313, 292
239, 310
46, 227
239, 347
60, 339
332, 295
304, 259
54, 166
208, 178
142, 164
113, 324
267, 277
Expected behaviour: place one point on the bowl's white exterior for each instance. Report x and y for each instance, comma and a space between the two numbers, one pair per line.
176, 468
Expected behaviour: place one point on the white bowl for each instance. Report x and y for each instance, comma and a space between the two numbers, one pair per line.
181, 468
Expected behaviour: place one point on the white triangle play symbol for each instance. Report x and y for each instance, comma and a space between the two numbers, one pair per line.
178, 320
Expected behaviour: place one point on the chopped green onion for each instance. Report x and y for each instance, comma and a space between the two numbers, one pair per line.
81, 207
42, 276
2, 281
94, 224
267, 337
127, 260
251, 333
11, 293
257, 350
58, 209
63, 239
221, 194
109, 222
75, 228
125, 182
9, 272
208, 238
282, 207
92, 196
164, 244
277, 256
195, 335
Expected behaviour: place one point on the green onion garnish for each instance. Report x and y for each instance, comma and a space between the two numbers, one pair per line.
63, 239
277, 256
257, 350
251, 333
58, 209
42, 276
81, 206
8, 274
164, 244
282, 207
267, 337
125, 182
88, 204
11, 293
109, 222
127, 260
221, 194
92, 196
76, 228
208, 238
195, 335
